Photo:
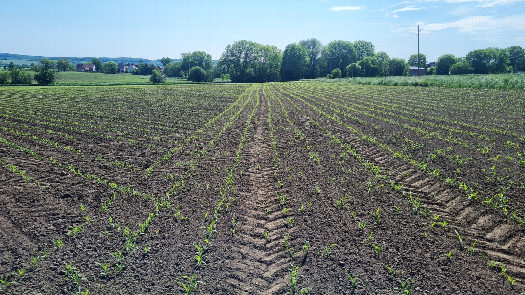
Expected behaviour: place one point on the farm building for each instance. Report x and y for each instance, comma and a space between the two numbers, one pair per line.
415, 71
86, 68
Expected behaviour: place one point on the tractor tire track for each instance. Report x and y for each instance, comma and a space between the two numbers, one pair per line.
500, 239
259, 264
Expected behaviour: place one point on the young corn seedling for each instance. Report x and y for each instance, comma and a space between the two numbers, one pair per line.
198, 256
189, 284
406, 286
449, 254
472, 248
355, 281
377, 215
328, 249
460, 239
5, 282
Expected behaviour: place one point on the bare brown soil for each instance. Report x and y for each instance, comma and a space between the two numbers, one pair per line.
279, 199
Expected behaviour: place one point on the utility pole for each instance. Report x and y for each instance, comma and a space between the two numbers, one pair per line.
418, 50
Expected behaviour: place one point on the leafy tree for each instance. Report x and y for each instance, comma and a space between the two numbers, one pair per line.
370, 66
336, 73
46, 75
165, 61
517, 57
398, 67
461, 68
431, 71
364, 49
157, 77
11, 66
64, 65
196, 59
489, 60
4, 77
98, 64
412, 61
173, 70
19, 76
353, 70
247, 62
110, 67
338, 54
294, 63
144, 69
444, 63
313, 48
197, 74
384, 63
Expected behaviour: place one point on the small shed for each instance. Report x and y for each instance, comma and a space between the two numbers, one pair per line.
415, 71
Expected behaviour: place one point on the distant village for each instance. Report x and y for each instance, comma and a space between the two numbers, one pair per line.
121, 68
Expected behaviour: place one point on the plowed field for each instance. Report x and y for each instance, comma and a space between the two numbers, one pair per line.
284, 188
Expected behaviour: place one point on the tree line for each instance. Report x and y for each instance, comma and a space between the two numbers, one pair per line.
247, 61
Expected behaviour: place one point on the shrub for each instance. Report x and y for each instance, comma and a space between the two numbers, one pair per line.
336, 73
197, 74
156, 77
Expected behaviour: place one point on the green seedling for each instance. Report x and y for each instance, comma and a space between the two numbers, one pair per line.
355, 281
328, 249
449, 254
189, 284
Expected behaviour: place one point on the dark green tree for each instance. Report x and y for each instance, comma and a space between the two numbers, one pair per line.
197, 74
173, 70
64, 65
294, 63
398, 67
196, 59
248, 62
384, 63
144, 69
19, 76
364, 49
338, 55
165, 61
412, 61
46, 74
461, 68
313, 48
489, 60
110, 67
353, 70
157, 77
4, 77
98, 64
370, 66
517, 58
444, 63
11, 66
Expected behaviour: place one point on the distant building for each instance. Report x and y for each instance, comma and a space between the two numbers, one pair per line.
86, 68
431, 64
121, 67
414, 71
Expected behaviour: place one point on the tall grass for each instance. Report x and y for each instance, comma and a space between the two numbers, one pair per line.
500, 81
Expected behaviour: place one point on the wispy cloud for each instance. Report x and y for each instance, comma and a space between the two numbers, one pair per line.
346, 8
394, 13
481, 3
473, 24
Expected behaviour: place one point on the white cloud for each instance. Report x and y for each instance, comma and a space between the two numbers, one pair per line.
481, 3
346, 8
474, 24
394, 13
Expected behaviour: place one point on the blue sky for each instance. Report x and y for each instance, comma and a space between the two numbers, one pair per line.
157, 28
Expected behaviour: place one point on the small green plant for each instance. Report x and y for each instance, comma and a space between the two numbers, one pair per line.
189, 284
355, 281
328, 249
377, 215
58, 243
198, 256
449, 254
406, 286
472, 248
